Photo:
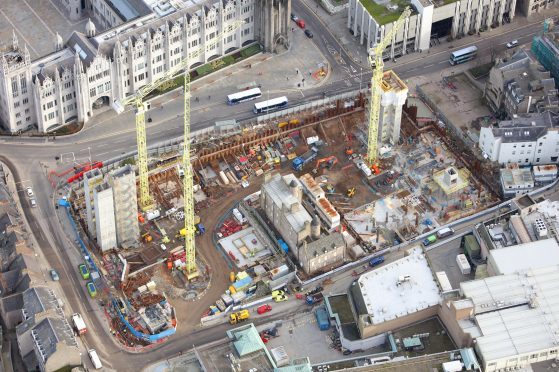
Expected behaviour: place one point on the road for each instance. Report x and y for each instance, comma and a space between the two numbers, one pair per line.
107, 136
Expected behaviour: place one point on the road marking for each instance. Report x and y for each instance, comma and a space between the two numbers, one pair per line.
104, 153
441, 62
432, 64
352, 68
19, 32
39, 18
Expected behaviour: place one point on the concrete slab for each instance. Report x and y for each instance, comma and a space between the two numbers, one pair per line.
245, 247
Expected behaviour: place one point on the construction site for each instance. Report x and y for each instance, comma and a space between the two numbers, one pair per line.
295, 193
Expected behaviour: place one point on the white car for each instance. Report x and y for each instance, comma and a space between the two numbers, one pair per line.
245, 184
29, 191
163, 247
512, 44
33, 203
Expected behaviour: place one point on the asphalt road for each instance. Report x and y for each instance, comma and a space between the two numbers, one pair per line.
108, 136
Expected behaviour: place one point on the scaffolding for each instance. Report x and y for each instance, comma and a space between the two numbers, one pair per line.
546, 49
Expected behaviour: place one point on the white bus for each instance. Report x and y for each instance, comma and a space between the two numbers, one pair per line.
271, 105
243, 96
463, 55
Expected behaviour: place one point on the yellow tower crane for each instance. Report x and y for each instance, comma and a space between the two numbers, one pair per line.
377, 65
136, 100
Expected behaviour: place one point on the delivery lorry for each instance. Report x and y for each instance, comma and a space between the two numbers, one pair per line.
79, 324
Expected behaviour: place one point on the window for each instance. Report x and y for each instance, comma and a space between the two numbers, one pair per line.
92, 92
16, 104
14, 87
526, 161
28, 118
107, 86
51, 116
25, 100
23, 83
27, 111
537, 160
50, 105
18, 115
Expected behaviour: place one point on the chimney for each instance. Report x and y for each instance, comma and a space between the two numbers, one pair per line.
315, 227
294, 189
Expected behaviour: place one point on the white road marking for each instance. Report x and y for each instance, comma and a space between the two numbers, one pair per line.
429, 65
441, 62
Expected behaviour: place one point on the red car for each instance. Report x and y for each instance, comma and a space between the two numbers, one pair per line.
300, 23
263, 309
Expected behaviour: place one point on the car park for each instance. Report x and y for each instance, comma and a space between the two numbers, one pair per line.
54, 275
91, 289
512, 44
84, 271
309, 33
263, 309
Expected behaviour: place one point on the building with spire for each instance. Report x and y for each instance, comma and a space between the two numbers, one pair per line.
94, 69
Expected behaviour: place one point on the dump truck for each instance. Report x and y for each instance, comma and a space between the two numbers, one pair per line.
300, 161
239, 316
79, 324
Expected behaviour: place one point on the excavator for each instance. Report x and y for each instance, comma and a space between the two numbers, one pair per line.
330, 162
350, 192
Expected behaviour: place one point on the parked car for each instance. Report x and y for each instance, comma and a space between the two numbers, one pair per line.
277, 293
91, 289
294, 18
84, 271
29, 191
245, 184
263, 309
512, 44
308, 33
280, 298
300, 23
33, 203
54, 275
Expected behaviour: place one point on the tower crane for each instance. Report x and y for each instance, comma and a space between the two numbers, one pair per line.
377, 65
136, 100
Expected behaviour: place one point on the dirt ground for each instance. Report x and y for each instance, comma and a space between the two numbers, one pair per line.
338, 136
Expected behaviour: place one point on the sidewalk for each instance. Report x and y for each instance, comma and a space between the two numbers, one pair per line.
337, 24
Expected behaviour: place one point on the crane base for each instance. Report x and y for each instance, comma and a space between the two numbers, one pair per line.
193, 275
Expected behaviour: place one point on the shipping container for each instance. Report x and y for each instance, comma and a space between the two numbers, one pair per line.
463, 264
238, 297
243, 283
471, 247
227, 300
220, 305
322, 318
443, 281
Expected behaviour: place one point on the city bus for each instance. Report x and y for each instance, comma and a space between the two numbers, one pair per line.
463, 55
271, 105
243, 96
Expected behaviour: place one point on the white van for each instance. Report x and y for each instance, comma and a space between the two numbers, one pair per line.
95, 359
444, 232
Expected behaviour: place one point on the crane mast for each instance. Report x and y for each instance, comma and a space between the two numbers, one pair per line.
377, 65
136, 100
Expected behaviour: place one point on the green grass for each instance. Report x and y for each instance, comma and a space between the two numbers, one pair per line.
381, 13
215, 65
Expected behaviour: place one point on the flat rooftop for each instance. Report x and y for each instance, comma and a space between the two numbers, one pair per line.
392, 83
384, 11
517, 178
246, 247
399, 298
516, 313
521, 257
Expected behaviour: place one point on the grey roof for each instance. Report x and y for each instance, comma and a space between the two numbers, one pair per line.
37, 300
81, 45
517, 60
13, 302
526, 127
51, 331
324, 244
128, 10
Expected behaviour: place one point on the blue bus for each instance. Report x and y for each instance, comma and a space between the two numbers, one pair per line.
246, 95
463, 55
271, 105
